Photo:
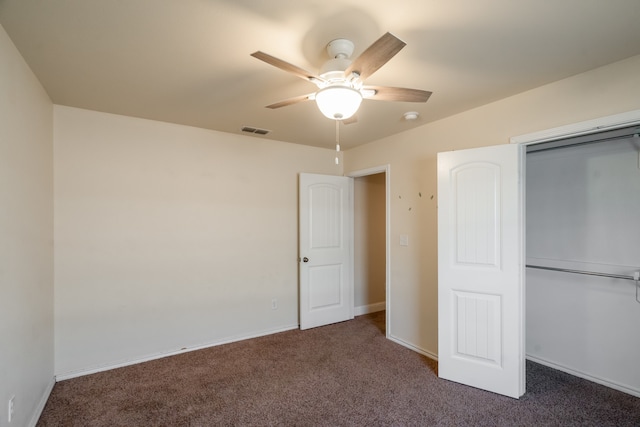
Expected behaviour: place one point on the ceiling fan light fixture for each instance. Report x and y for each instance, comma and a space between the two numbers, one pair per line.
338, 102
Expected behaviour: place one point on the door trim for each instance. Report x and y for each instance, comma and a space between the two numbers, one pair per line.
587, 127
601, 124
386, 169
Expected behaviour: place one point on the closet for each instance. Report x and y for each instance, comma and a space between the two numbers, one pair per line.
582, 216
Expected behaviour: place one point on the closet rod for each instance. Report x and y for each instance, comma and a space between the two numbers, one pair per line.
604, 136
589, 273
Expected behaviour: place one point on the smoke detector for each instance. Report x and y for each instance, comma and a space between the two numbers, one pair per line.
411, 116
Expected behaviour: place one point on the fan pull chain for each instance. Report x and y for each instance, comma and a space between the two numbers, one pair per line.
337, 141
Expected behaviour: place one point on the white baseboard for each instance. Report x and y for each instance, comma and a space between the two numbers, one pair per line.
422, 351
602, 381
74, 374
42, 403
371, 308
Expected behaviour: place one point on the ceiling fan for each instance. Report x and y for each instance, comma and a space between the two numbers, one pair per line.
340, 81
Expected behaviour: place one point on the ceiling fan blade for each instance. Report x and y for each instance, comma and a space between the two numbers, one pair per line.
291, 101
289, 68
384, 93
375, 56
351, 120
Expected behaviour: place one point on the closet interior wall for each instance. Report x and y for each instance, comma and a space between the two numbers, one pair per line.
583, 213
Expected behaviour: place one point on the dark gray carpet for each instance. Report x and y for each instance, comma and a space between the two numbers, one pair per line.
346, 374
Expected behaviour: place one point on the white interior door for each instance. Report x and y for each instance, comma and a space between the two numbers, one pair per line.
481, 268
326, 254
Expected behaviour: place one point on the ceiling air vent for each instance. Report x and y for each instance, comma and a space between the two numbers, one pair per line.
257, 131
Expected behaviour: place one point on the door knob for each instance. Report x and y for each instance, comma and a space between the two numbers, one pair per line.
305, 259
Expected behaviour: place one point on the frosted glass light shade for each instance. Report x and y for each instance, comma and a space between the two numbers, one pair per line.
338, 102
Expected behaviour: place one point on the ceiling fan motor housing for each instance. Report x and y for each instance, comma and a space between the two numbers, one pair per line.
340, 48
339, 51
333, 69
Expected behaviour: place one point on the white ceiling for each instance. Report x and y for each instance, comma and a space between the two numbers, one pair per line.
188, 62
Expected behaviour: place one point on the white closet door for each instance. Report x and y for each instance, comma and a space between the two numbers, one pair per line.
481, 268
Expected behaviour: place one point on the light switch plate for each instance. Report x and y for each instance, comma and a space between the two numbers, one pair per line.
404, 240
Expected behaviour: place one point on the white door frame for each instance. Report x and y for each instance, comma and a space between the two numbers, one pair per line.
386, 169
601, 124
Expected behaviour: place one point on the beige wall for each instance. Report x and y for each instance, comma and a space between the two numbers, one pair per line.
26, 230
170, 237
412, 155
369, 242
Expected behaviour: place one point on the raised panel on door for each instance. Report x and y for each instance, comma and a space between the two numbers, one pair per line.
325, 287
475, 207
